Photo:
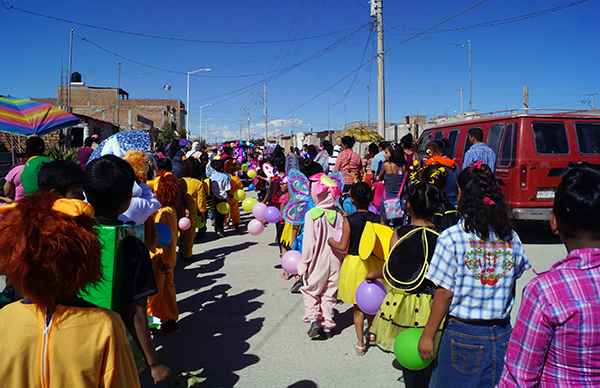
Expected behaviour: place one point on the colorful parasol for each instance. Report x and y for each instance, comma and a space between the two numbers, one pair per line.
28, 117
121, 142
182, 143
363, 135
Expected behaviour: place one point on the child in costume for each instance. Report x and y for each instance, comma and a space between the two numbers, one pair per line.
355, 267
220, 184
320, 264
236, 184
475, 265
45, 338
408, 303
163, 305
191, 185
447, 215
556, 338
108, 183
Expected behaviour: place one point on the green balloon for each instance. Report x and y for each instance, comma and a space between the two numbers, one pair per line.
407, 351
199, 223
244, 167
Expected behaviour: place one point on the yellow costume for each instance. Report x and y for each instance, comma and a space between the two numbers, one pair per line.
368, 247
83, 347
195, 197
236, 184
164, 304
210, 203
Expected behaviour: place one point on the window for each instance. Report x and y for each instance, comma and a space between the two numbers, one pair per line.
508, 154
438, 135
423, 141
588, 138
550, 138
494, 138
452, 138
468, 143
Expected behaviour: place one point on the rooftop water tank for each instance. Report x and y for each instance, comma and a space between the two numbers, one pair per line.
76, 77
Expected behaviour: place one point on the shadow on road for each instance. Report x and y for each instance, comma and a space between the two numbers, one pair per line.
213, 326
536, 233
303, 384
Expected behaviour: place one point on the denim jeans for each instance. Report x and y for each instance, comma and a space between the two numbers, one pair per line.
471, 354
219, 218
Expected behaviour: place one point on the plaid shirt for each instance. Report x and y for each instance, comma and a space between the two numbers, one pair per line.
480, 151
480, 273
350, 163
556, 338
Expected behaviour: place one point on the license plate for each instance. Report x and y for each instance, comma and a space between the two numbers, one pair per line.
545, 193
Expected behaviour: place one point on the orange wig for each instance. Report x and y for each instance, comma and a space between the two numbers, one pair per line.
47, 254
167, 189
137, 160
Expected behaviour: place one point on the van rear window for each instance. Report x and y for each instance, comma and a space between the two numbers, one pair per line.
588, 138
550, 138
452, 138
423, 141
508, 155
494, 138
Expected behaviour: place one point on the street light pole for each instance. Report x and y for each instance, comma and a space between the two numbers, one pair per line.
187, 106
206, 128
200, 133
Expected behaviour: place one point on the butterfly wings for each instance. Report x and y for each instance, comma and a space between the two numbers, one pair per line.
300, 201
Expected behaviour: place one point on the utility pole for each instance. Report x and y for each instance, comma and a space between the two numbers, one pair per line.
470, 107
328, 109
461, 100
264, 93
368, 106
345, 122
240, 129
118, 90
377, 11
69, 77
525, 99
592, 99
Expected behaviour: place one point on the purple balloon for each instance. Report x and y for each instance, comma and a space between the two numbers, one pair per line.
258, 211
369, 296
373, 209
290, 261
255, 227
272, 214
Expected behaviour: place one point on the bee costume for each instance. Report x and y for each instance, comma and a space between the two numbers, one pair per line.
408, 303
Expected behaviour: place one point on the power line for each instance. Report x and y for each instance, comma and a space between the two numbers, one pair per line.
10, 6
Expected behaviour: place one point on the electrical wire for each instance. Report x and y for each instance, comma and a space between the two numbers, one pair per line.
362, 5
10, 6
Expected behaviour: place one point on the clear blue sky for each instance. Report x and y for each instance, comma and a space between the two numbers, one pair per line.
555, 54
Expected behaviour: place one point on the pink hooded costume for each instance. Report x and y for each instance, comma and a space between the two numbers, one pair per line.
320, 263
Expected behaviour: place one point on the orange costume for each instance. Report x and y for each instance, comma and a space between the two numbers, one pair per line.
236, 184
195, 197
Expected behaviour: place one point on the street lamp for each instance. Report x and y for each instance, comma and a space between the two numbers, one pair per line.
187, 117
206, 128
200, 133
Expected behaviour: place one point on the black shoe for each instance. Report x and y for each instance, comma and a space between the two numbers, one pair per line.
153, 332
170, 326
220, 234
313, 331
296, 287
328, 334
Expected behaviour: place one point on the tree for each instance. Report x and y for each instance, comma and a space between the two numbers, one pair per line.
167, 135
258, 142
182, 133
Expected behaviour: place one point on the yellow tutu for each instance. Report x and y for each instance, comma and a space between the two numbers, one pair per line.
352, 273
401, 310
286, 235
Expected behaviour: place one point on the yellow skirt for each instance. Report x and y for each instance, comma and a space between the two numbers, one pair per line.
401, 310
353, 273
286, 235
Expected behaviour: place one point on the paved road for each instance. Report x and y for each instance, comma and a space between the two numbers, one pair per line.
240, 322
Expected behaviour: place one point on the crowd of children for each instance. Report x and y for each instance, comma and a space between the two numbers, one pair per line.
445, 251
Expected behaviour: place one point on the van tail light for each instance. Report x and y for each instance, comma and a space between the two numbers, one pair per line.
523, 176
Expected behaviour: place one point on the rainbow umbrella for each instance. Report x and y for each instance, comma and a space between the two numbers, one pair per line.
27, 117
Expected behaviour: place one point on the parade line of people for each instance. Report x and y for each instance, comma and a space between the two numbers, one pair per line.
422, 248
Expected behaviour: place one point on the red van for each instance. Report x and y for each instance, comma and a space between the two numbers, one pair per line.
533, 151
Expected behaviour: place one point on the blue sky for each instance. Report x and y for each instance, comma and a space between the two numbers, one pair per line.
555, 54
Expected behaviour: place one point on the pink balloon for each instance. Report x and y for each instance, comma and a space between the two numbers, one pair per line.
290, 262
369, 296
272, 214
258, 211
185, 223
255, 227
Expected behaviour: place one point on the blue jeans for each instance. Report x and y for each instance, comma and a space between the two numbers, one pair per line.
471, 354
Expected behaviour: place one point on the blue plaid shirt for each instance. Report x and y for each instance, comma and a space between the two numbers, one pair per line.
477, 152
480, 273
